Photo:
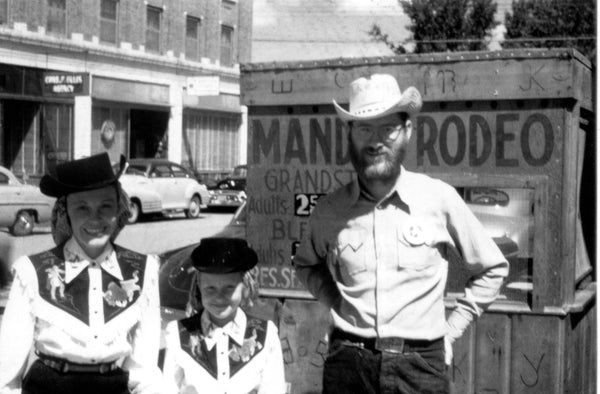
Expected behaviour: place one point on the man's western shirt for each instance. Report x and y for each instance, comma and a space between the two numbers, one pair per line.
382, 266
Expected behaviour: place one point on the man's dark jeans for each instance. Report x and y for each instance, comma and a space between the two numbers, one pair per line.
352, 367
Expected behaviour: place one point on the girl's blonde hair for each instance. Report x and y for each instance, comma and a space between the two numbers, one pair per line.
250, 294
61, 225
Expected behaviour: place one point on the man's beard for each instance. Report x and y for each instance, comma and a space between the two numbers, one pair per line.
383, 168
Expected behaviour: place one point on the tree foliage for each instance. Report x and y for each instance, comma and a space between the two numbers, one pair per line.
445, 25
552, 23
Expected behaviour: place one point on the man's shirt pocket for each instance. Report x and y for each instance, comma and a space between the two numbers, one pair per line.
417, 245
350, 251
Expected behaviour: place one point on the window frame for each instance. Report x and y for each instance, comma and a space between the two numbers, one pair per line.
65, 12
5, 11
231, 29
148, 30
116, 22
198, 40
540, 186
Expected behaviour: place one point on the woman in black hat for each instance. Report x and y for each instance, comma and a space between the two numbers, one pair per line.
84, 316
222, 349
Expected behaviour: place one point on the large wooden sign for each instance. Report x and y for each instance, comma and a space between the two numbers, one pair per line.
500, 121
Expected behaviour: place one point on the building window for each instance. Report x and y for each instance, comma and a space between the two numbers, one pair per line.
210, 141
153, 27
192, 38
226, 46
3, 12
108, 21
57, 17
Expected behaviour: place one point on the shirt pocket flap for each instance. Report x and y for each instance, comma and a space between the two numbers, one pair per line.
352, 239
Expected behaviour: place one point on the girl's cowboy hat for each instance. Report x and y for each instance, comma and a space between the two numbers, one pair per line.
378, 96
89, 173
223, 256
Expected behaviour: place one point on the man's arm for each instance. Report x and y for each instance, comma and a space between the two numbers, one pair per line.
482, 257
310, 263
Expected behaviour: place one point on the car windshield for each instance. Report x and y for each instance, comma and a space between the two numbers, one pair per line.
232, 184
239, 171
6, 180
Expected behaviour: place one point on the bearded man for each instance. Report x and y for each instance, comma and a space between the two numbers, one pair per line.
376, 255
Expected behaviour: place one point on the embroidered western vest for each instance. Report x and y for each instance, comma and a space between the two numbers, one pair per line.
72, 297
191, 339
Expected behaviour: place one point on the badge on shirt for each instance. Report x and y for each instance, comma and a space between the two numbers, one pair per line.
414, 232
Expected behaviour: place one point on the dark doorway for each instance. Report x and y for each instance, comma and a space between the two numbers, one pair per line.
148, 134
21, 137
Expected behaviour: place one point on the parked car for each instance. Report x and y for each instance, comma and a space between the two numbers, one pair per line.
228, 192
240, 171
161, 186
175, 275
21, 205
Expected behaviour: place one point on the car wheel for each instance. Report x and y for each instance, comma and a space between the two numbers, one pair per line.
194, 209
134, 212
23, 224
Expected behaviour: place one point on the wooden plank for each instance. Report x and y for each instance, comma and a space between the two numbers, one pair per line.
570, 209
497, 76
461, 372
582, 260
579, 365
302, 329
546, 245
492, 354
536, 354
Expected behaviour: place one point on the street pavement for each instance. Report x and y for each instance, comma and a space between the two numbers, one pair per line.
155, 235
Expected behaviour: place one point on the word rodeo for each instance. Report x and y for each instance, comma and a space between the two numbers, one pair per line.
496, 139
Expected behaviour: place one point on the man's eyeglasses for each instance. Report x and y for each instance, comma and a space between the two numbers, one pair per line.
385, 132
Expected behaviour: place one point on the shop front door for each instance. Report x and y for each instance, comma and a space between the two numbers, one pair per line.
148, 134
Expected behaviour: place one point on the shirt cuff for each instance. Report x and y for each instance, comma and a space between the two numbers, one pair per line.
457, 323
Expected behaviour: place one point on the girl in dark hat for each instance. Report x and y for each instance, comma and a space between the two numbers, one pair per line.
84, 316
222, 349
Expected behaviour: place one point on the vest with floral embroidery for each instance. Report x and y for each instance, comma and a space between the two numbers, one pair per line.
192, 342
72, 297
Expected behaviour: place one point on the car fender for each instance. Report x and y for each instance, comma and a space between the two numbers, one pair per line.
138, 187
193, 187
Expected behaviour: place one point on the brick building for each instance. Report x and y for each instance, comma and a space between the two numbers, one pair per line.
145, 78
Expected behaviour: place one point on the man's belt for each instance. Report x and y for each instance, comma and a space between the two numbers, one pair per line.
388, 345
66, 366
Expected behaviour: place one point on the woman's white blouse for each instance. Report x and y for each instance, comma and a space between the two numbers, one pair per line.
237, 358
33, 324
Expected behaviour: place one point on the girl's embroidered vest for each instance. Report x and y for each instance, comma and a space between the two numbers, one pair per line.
72, 297
190, 336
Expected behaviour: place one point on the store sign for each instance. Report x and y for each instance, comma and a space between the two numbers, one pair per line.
65, 84
203, 86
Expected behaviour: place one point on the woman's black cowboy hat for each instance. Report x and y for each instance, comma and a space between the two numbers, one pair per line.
223, 256
85, 174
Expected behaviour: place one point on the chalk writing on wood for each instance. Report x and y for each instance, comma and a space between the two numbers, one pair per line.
286, 349
532, 381
341, 79
283, 87
448, 80
316, 358
456, 368
321, 351
532, 79
426, 77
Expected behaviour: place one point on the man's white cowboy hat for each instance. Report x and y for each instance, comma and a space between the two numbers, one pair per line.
378, 96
